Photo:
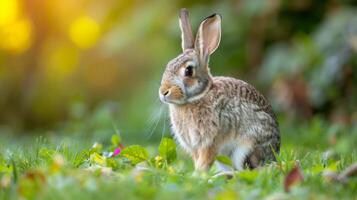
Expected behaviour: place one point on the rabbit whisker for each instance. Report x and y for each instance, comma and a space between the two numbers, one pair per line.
155, 123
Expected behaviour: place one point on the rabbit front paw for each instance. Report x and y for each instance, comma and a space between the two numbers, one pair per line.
204, 158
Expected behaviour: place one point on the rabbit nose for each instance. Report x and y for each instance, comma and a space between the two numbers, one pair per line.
166, 92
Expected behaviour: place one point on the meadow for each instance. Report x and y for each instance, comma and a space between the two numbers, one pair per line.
107, 167
80, 116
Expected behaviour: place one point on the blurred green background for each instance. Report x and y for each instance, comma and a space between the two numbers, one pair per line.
94, 67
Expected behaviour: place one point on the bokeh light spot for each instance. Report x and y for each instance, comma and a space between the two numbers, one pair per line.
9, 10
16, 38
84, 32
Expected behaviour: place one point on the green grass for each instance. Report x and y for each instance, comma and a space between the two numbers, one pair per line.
69, 167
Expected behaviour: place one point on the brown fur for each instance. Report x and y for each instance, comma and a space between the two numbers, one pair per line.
217, 115
212, 122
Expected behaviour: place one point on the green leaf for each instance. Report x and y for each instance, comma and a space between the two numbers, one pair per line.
167, 149
135, 154
46, 153
14, 170
116, 139
111, 162
98, 159
81, 158
97, 147
248, 175
224, 160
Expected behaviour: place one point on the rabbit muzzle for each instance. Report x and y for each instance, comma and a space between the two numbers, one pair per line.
171, 94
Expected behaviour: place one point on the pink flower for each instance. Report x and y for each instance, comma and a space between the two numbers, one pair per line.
116, 151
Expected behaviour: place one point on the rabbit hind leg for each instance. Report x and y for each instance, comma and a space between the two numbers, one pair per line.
262, 154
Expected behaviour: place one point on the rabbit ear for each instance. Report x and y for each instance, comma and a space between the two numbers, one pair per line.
186, 31
208, 36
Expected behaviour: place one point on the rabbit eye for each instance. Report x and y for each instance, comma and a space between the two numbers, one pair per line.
189, 71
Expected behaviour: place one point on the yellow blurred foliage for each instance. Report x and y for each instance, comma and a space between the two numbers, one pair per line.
15, 30
60, 60
16, 38
9, 10
84, 32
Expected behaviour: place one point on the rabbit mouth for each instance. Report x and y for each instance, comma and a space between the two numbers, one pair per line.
173, 101
168, 99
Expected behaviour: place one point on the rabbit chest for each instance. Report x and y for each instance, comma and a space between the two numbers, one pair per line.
193, 126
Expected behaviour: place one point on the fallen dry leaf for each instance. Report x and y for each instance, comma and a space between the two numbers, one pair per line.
293, 177
343, 176
350, 171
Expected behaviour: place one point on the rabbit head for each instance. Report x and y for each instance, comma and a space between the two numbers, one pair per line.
187, 77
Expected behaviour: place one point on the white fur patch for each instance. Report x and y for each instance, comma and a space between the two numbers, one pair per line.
237, 152
238, 157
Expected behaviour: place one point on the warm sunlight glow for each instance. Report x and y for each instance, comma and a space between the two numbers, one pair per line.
60, 60
9, 10
16, 38
84, 32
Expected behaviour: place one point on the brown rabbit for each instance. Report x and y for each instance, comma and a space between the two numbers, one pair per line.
213, 116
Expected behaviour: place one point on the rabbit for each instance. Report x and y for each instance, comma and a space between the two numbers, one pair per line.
215, 115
